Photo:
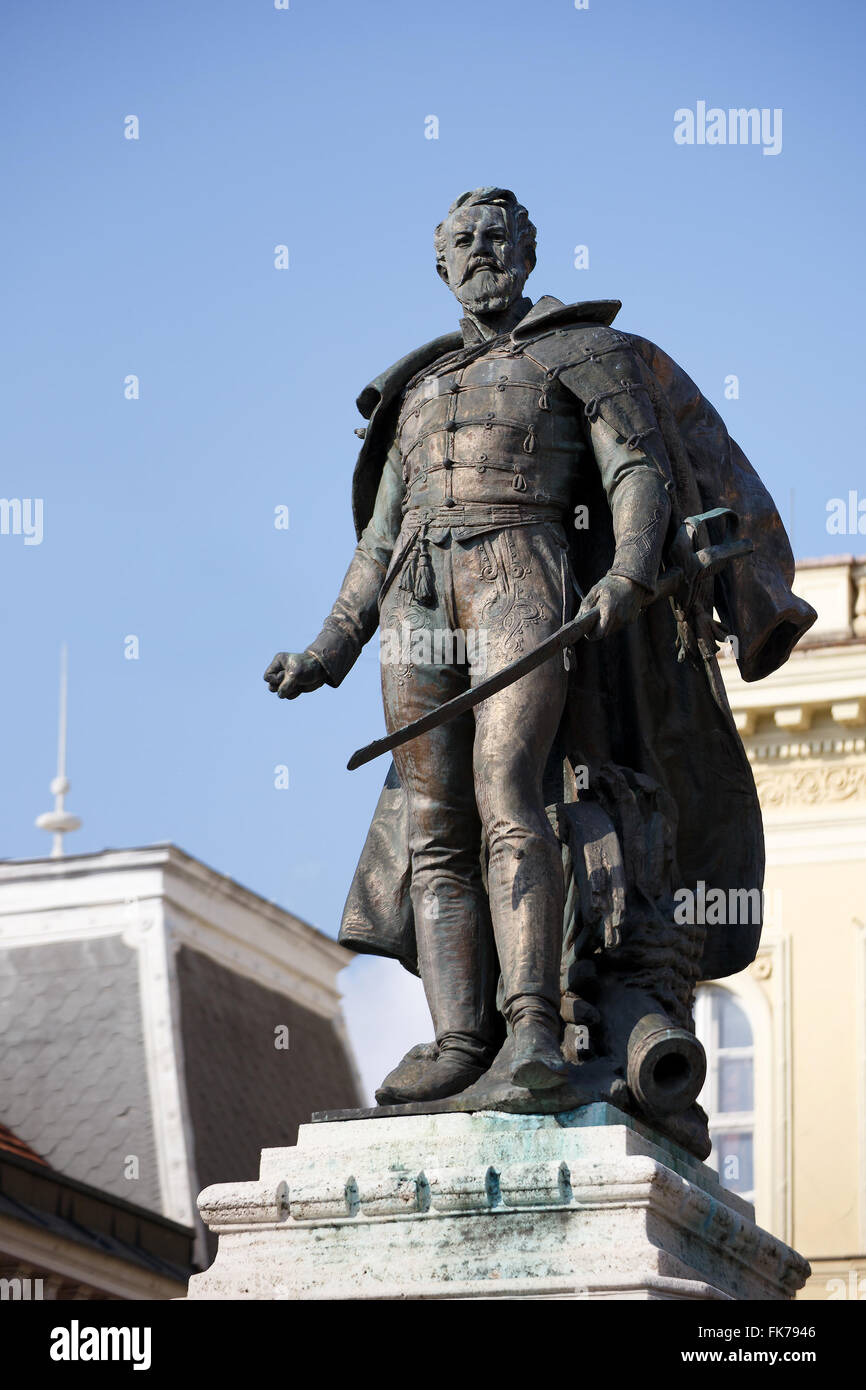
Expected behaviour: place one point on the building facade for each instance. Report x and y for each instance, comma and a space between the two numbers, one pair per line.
786, 1039
161, 1025
63, 1240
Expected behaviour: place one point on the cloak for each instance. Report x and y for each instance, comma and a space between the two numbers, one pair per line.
646, 707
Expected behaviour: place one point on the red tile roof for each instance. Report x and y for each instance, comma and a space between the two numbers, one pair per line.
10, 1143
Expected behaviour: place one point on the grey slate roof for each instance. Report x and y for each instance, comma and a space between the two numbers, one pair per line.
244, 1093
73, 1082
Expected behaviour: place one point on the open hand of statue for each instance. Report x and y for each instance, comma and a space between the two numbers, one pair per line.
619, 600
291, 674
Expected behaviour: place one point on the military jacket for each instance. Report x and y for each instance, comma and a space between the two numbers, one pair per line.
500, 432
492, 431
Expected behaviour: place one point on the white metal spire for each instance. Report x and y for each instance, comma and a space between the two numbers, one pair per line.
60, 821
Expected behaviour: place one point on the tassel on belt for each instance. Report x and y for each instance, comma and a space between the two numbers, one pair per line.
417, 576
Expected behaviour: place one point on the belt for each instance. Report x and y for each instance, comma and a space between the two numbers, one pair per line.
469, 517
454, 514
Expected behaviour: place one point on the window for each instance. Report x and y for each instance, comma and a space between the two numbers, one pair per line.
728, 1097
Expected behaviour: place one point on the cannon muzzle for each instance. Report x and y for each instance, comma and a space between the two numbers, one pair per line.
666, 1065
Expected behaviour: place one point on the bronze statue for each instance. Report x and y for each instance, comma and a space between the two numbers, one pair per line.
526, 853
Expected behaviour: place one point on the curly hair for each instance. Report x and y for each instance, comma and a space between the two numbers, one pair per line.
522, 230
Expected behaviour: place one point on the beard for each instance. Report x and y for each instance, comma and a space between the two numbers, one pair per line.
489, 291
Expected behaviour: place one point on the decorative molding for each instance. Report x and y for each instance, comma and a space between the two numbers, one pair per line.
825, 678
244, 933
50, 927
808, 748
34, 887
849, 712
811, 786
745, 720
795, 717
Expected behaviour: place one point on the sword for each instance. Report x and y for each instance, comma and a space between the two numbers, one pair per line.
696, 563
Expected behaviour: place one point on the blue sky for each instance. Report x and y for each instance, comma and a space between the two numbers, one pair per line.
155, 257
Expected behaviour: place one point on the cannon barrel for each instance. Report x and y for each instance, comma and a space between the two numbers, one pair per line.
666, 1065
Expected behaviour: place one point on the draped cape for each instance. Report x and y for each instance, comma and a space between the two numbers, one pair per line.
632, 703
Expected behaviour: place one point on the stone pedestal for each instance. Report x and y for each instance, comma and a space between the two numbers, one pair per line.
587, 1204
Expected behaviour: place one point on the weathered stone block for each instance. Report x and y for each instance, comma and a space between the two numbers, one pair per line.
587, 1204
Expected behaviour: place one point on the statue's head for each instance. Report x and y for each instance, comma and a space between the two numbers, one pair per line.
485, 249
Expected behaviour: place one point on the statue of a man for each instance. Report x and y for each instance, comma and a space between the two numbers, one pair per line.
536, 465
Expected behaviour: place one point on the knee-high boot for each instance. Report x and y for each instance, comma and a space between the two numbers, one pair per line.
457, 959
526, 893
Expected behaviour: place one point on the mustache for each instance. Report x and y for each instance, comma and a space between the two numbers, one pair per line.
483, 263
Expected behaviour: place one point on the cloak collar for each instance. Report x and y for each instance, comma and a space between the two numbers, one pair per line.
548, 312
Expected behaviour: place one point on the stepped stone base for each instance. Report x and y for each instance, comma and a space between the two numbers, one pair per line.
587, 1204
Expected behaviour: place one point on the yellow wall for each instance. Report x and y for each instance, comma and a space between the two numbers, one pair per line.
805, 732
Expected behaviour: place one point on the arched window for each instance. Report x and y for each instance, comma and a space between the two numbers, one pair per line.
728, 1096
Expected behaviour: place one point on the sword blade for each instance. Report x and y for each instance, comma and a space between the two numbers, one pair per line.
708, 560
566, 635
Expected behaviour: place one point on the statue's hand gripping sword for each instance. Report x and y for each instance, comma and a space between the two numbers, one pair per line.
678, 581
